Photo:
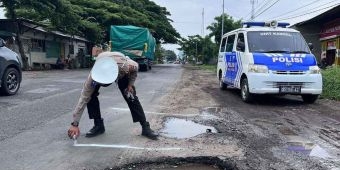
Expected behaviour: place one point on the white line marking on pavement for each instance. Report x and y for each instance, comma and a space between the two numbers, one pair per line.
124, 147
156, 113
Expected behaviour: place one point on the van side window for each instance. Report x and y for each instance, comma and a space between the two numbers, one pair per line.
230, 43
222, 48
240, 42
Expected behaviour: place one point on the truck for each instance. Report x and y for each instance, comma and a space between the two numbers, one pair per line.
135, 42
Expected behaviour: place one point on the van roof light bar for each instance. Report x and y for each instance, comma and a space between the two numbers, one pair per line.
264, 24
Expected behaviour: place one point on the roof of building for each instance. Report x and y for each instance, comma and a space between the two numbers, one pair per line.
41, 27
325, 17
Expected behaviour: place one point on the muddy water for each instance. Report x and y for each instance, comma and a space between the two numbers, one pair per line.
299, 144
181, 128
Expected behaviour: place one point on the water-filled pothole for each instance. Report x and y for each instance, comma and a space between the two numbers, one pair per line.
188, 163
181, 128
298, 144
179, 167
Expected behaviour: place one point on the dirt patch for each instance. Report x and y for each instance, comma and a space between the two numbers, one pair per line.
254, 136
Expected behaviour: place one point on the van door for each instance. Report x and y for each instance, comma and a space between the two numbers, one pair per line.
221, 59
230, 60
240, 48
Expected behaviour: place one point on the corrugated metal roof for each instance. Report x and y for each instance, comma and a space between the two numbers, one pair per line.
40, 27
327, 16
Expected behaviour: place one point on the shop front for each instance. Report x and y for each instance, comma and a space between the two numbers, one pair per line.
330, 42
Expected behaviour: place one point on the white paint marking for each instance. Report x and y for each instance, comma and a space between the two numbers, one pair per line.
123, 147
156, 113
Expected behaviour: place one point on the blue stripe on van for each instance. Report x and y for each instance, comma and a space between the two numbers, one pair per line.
285, 62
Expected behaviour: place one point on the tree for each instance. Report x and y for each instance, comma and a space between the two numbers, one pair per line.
92, 19
216, 27
57, 14
11, 5
200, 48
159, 54
170, 55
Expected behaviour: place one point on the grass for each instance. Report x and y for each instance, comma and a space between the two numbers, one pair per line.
331, 83
212, 68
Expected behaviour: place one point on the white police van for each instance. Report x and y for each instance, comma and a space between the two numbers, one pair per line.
268, 58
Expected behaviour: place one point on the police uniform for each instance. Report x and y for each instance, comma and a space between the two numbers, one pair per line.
127, 74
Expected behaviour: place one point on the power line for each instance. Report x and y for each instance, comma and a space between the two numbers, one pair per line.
263, 6
267, 8
252, 9
280, 19
303, 6
246, 16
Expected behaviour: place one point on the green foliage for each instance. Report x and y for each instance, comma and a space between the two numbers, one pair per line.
229, 25
331, 83
92, 19
211, 68
170, 55
159, 57
202, 48
198, 47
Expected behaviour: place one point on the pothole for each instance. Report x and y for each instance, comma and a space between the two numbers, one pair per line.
298, 144
188, 163
181, 128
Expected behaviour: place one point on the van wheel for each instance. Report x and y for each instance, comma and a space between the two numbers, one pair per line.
10, 82
223, 86
309, 98
245, 94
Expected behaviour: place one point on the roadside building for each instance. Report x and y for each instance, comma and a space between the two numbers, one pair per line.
44, 47
324, 32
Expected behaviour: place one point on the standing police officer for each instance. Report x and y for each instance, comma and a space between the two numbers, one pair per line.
110, 66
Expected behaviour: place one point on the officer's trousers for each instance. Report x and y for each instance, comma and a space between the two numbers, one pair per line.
135, 107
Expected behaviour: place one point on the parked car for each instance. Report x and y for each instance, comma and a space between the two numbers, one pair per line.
10, 70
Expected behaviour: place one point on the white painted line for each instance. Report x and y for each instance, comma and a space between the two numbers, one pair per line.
156, 113
123, 147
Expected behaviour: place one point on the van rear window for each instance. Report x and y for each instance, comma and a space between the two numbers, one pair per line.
276, 42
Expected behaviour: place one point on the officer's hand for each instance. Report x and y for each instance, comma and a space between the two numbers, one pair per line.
73, 131
129, 89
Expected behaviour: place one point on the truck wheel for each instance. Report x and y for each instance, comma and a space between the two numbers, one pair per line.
245, 94
149, 67
223, 86
10, 82
143, 67
309, 98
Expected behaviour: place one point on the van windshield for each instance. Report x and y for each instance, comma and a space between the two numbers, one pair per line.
276, 42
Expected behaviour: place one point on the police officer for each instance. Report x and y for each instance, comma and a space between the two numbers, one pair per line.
110, 66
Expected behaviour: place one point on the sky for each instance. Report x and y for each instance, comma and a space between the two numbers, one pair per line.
188, 19
187, 14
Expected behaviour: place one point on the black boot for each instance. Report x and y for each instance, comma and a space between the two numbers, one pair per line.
97, 129
148, 132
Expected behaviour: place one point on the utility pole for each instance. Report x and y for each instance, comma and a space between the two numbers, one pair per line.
203, 23
252, 9
222, 19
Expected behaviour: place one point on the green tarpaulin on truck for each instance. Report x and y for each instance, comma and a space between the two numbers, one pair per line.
132, 41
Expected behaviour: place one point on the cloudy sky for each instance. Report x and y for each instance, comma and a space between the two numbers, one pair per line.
188, 20
187, 14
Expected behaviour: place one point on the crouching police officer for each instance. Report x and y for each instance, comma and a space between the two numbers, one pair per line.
110, 66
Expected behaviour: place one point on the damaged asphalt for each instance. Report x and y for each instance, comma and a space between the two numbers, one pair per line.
274, 132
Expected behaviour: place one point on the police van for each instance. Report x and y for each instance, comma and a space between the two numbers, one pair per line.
268, 58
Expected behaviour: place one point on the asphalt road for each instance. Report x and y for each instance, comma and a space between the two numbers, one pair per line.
34, 123
197, 121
